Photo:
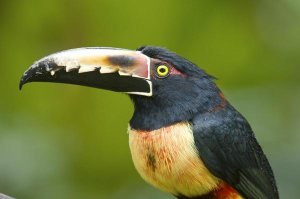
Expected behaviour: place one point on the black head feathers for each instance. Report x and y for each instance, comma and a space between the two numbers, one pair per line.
180, 63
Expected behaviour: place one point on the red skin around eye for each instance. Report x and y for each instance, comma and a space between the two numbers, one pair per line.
174, 71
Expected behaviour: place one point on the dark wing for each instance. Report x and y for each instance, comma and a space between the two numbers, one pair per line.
229, 149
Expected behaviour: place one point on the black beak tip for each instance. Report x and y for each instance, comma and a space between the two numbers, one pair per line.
21, 83
23, 80
27, 77
31, 74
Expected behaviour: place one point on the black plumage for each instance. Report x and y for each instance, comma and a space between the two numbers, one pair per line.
229, 149
175, 98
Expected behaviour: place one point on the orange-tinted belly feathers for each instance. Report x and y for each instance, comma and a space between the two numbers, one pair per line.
224, 191
167, 159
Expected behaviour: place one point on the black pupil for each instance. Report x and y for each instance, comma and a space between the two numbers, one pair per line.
162, 70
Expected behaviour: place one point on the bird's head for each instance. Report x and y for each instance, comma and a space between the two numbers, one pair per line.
164, 87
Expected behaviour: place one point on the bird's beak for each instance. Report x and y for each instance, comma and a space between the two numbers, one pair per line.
106, 68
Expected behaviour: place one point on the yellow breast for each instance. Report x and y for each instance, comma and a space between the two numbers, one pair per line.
167, 159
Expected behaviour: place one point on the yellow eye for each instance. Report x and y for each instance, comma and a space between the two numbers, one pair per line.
162, 71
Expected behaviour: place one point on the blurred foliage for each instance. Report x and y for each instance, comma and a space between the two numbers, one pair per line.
63, 141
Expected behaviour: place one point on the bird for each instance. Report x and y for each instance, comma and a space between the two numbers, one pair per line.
185, 137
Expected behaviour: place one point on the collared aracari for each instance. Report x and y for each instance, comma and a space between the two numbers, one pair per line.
185, 137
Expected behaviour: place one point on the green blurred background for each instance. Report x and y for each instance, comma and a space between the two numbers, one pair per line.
63, 141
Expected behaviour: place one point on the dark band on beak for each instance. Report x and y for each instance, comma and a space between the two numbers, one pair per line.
121, 60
